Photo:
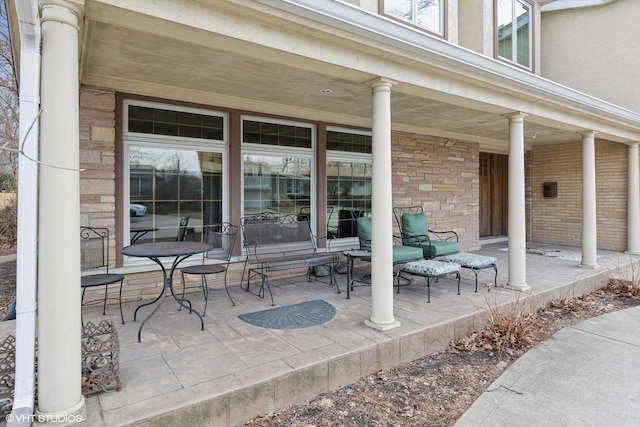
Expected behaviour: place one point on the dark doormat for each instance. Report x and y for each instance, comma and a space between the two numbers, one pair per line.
295, 316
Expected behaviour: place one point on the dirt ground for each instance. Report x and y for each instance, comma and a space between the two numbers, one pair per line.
436, 390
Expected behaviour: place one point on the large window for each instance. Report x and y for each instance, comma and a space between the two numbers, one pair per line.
348, 180
428, 14
277, 167
514, 31
176, 162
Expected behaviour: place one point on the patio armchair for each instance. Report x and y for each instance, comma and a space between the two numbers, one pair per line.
222, 238
401, 253
415, 231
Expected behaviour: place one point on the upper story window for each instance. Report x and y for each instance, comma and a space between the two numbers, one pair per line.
514, 31
427, 14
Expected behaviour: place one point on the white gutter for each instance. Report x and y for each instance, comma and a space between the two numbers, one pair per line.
572, 4
30, 36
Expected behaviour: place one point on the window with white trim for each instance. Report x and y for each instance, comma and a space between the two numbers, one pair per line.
176, 162
278, 166
348, 180
514, 32
427, 14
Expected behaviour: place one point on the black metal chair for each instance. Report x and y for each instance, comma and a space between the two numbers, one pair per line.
94, 249
222, 237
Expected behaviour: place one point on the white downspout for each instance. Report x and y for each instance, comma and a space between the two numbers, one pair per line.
30, 36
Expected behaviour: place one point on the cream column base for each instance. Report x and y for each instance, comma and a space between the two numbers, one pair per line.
382, 326
632, 252
589, 266
74, 415
519, 288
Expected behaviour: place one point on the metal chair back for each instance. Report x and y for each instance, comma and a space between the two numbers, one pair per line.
182, 229
94, 248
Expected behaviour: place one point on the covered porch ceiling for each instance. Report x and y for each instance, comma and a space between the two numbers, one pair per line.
268, 61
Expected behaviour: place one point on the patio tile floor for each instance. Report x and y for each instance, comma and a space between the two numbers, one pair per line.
233, 371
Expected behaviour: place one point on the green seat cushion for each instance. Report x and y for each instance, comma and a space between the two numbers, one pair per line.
364, 232
400, 253
415, 224
406, 253
440, 247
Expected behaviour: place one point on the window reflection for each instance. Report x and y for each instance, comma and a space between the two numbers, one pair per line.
348, 194
276, 183
427, 14
171, 185
514, 35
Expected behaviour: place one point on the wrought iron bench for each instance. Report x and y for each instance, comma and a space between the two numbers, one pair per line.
275, 243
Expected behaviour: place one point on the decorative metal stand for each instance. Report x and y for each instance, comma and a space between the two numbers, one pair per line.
100, 358
7, 373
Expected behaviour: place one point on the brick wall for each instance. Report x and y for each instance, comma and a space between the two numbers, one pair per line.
441, 175
559, 220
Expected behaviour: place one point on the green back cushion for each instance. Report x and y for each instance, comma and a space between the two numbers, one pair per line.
364, 233
414, 224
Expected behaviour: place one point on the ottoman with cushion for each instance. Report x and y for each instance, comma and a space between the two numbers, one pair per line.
430, 269
475, 263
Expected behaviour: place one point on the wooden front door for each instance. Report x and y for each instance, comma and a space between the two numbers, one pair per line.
493, 194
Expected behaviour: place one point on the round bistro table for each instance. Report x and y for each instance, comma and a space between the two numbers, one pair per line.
155, 251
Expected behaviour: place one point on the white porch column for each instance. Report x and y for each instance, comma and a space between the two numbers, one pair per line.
517, 217
382, 230
59, 326
633, 201
589, 231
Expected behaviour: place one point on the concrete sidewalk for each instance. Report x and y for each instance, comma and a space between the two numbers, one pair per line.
587, 374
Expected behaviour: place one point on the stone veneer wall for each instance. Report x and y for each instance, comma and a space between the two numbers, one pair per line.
97, 161
559, 220
97, 158
441, 175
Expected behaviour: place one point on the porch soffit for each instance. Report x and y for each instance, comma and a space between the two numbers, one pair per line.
175, 60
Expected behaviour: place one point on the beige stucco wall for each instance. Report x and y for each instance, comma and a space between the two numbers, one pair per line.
558, 220
595, 50
475, 17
